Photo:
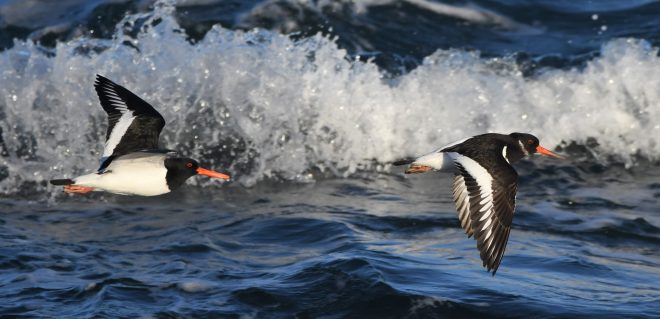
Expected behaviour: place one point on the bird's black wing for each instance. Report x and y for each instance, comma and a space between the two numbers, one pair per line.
133, 124
462, 201
489, 197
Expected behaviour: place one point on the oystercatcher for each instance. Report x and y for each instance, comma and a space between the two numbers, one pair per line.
485, 185
132, 163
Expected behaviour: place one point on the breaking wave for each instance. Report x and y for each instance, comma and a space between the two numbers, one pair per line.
263, 105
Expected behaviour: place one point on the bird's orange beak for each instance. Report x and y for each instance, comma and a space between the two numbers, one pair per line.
210, 173
543, 151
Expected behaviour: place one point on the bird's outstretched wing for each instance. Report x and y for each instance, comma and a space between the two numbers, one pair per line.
133, 124
485, 202
462, 201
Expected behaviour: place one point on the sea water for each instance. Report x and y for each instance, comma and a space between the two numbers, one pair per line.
306, 104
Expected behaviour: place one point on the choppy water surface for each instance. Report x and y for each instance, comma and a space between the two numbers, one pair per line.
378, 246
306, 113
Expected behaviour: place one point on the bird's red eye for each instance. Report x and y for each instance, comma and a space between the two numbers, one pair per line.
530, 142
189, 165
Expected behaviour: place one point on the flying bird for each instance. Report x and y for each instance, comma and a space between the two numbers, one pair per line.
132, 162
484, 186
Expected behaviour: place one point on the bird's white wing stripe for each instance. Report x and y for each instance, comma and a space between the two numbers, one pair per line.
504, 153
121, 126
487, 212
483, 179
486, 208
462, 195
487, 224
479, 174
120, 107
489, 242
522, 147
118, 102
117, 132
113, 96
485, 182
490, 231
462, 200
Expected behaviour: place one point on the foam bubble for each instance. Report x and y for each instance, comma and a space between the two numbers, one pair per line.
194, 286
259, 104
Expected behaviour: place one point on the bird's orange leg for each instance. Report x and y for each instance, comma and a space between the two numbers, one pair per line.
77, 189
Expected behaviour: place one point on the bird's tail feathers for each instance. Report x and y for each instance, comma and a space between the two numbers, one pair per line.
60, 182
406, 161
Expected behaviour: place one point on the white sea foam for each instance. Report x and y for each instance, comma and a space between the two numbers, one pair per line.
472, 14
193, 286
277, 107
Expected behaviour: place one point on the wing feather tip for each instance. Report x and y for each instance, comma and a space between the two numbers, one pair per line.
100, 80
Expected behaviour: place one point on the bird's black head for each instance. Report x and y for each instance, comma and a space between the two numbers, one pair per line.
179, 169
528, 144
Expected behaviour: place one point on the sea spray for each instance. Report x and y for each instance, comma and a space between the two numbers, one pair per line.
263, 105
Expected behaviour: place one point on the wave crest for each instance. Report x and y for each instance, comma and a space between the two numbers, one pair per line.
260, 104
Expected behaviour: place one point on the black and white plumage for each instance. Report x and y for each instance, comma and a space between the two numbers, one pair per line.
133, 124
485, 185
132, 162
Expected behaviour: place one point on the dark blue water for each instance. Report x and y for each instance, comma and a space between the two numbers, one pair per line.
316, 223
397, 34
372, 247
